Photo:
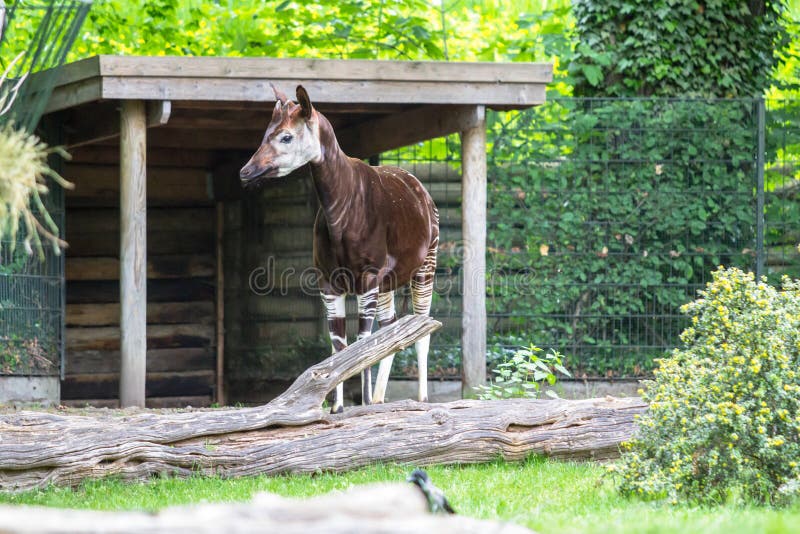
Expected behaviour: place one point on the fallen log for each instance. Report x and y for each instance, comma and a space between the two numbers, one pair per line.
379, 508
292, 434
406, 432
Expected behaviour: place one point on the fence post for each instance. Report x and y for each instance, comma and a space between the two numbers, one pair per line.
760, 251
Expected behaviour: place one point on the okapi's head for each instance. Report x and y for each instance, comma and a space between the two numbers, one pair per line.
291, 140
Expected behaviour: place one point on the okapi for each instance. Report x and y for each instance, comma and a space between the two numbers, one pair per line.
377, 229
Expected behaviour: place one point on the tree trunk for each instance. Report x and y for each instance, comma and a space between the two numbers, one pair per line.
379, 508
292, 434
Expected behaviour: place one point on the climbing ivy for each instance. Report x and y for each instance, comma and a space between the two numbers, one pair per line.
711, 48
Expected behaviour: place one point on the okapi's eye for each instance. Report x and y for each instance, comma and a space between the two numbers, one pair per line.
286, 139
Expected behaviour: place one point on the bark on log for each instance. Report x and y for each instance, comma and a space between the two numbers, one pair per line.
378, 508
292, 434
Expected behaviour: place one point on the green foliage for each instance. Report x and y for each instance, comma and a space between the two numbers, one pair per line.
782, 185
378, 29
522, 375
724, 416
604, 213
718, 48
786, 78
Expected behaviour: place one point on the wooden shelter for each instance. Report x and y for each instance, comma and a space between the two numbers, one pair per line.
157, 143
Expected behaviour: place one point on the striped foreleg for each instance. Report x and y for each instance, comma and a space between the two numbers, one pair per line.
367, 304
386, 316
337, 328
421, 295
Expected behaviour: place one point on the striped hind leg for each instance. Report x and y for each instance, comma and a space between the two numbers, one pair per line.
367, 304
421, 295
337, 328
386, 316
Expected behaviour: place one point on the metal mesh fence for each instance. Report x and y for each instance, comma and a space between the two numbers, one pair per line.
32, 301
606, 215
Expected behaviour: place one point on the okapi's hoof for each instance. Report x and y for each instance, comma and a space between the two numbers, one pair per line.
340, 409
424, 399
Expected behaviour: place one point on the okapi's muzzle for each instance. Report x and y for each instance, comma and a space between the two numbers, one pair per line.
251, 173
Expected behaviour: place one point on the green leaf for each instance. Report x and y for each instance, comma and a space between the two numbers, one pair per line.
593, 73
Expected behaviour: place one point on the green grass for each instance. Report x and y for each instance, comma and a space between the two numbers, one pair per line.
545, 496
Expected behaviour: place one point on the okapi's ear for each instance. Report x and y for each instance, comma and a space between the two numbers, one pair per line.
305, 102
279, 95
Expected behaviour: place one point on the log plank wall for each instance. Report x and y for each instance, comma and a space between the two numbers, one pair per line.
181, 276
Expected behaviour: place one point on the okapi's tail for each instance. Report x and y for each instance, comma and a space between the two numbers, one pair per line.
404, 307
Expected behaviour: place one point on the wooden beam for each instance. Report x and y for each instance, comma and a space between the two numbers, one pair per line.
518, 95
403, 129
133, 252
107, 314
75, 94
84, 128
156, 157
168, 266
326, 69
193, 139
473, 220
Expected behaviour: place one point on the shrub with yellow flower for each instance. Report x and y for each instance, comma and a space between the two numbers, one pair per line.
724, 416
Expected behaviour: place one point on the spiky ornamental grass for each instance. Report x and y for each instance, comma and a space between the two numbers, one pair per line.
724, 417
23, 173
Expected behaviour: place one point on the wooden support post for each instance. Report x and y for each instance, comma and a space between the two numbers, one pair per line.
473, 221
220, 307
133, 253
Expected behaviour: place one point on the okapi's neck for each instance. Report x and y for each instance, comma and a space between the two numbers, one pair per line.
333, 175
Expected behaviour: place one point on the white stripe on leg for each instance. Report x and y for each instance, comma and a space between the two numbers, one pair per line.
367, 305
386, 315
338, 400
421, 295
335, 311
385, 367
422, 347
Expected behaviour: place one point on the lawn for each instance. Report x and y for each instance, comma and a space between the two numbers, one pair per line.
546, 496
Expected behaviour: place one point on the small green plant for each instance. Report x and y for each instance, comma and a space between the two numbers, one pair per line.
724, 417
522, 375
25, 355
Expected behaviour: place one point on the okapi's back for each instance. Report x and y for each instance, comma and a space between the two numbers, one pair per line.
406, 186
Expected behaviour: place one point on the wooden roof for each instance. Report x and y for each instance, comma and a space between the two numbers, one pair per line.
209, 95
